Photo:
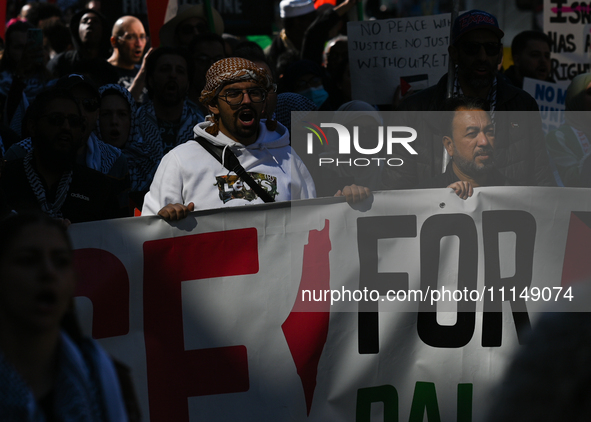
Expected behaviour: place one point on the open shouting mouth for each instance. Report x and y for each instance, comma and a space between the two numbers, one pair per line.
247, 117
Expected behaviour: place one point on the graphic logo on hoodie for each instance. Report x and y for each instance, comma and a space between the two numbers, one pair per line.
232, 187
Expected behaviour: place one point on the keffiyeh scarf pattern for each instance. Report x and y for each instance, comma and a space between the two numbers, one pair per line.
232, 70
144, 156
99, 156
53, 209
86, 388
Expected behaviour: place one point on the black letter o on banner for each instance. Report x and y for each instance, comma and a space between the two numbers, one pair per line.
434, 229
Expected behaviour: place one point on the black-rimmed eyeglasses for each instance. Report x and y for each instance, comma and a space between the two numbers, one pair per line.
58, 119
236, 96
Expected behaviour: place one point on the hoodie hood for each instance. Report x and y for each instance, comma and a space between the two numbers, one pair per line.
278, 138
134, 132
105, 43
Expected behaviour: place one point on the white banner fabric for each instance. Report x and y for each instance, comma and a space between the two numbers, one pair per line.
209, 312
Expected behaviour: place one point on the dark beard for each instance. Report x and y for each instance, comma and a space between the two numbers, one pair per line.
471, 169
53, 159
170, 101
477, 82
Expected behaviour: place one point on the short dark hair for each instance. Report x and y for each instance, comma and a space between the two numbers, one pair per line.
250, 50
57, 34
452, 105
12, 225
40, 11
163, 51
41, 102
520, 41
7, 63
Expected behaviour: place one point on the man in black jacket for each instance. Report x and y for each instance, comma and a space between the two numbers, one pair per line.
91, 38
476, 51
531, 57
48, 178
469, 139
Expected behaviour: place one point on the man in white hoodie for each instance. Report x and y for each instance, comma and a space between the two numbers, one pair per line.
191, 178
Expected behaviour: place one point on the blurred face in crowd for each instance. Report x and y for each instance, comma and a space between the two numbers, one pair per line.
240, 107
115, 120
16, 45
37, 280
170, 80
188, 29
58, 133
271, 101
131, 41
472, 144
336, 54
205, 54
306, 82
534, 60
90, 29
477, 55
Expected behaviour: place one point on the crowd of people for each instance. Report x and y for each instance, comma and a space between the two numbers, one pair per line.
138, 103
95, 123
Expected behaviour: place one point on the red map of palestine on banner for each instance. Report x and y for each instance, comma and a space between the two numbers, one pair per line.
212, 316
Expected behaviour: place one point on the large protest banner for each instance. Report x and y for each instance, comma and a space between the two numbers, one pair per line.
568, 24
550, 98
213, 317
410, 52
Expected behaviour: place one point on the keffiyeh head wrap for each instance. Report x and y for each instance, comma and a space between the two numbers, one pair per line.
229, 71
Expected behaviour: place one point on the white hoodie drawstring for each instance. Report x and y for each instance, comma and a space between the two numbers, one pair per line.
224, 155
264, 147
